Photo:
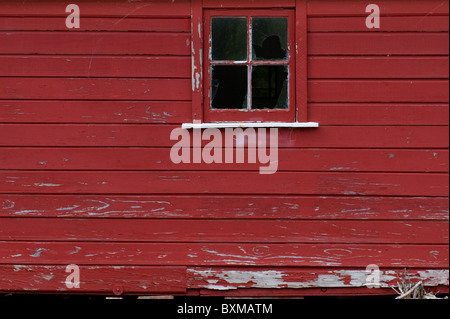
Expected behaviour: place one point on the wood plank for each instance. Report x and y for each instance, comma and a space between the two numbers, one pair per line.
379, 114
388, 7
95, 24
145, 280
95, 66
308, 292
95, 89
378, 44
95, 112
97, 8
389, 24
210, 255
227, 279
94, 43
224, 231
289, 160
428, 137
349, 184
98, 280
233, 4
73, 112
428, 91
224, 207
378, 68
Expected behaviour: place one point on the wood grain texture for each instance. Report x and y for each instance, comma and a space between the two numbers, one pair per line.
217, 254
289, 160
244, 278
20, 278
199, 231
225, 207
97, 280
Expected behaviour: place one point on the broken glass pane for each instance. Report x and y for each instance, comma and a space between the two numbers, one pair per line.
270, 39
270, 87
229, 87
229, 39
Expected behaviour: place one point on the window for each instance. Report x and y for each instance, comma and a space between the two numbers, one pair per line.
250, 69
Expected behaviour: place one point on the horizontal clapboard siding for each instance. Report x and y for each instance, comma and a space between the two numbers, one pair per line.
223, 183
97, 8
424, 137
95, 230
86, 176
225, 207
96, 24
283, 255
353, 160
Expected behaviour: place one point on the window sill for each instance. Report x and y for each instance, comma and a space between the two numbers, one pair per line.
190, 126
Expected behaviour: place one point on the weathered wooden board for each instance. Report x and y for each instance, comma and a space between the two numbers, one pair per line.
144, 159
95, 89
379, 114
95, 66
229, 231
425, 137
244, 278
389, 8
94, 43
429, 91
111, 280
225, 207
378, 67
388, 43
248, 4
133, 112
308, 183
94, 279
218, 254
98, 8
96, 24
424, 23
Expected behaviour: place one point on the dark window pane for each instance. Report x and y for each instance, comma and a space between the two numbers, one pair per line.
229, 39
270, 39
270, 87
229, 87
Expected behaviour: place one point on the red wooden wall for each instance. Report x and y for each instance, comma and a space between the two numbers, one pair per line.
86, 176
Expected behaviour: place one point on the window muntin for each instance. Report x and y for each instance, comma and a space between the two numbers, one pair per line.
251, 66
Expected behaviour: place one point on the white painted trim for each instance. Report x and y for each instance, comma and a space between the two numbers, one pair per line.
190, 126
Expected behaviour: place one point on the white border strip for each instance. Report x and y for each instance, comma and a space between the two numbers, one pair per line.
190, 126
